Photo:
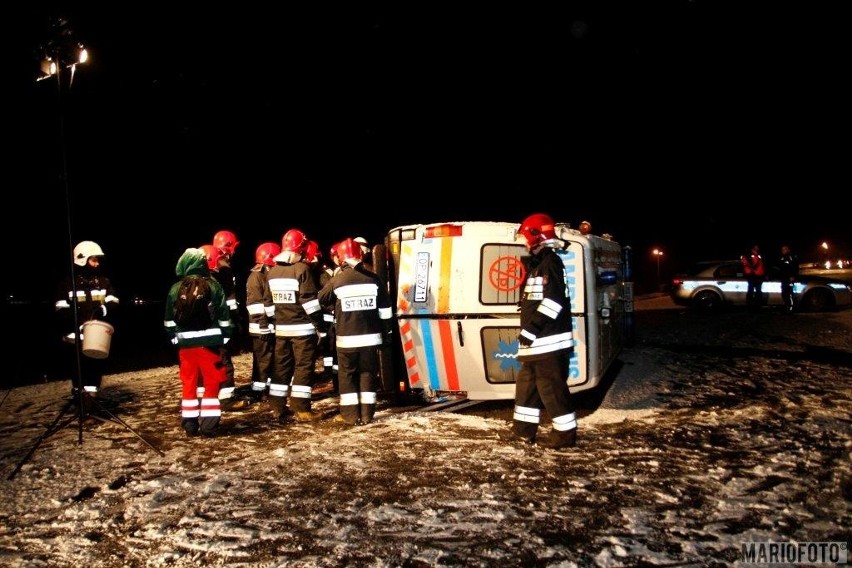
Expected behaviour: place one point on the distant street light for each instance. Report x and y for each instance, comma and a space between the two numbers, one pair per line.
659, 254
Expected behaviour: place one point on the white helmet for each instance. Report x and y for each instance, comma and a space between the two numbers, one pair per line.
362, 242
84, 250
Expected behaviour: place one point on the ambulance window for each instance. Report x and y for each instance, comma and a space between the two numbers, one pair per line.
501, 274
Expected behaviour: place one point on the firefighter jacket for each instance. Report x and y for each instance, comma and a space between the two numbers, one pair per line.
224, 275
193, 262
545, 308
96, 300
261, 310
294, 294
362, 310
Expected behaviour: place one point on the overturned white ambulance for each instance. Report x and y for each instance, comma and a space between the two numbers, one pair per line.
457, 286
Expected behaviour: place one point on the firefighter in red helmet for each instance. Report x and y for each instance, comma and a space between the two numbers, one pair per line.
225, 242
335, 260
362, 314
546, 340
325, 347
261, 312
212, 254
298, 319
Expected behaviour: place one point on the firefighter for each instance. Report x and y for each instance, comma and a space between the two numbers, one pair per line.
96, 300
298, 319
321, 271
362, 315
366, 253
322, 274
261, 314
329, 362
225, 242
545, 340
335, 259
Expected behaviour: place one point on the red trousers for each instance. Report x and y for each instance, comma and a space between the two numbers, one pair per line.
208, 363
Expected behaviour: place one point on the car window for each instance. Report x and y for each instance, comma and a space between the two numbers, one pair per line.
698, 268
729, 270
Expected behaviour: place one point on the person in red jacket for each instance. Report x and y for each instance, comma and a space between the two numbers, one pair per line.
755, 273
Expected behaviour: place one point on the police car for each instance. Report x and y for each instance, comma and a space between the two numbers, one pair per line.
712, 285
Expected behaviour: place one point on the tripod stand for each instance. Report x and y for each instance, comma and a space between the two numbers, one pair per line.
83, 401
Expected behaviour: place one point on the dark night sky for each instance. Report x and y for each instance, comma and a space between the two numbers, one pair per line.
695, 126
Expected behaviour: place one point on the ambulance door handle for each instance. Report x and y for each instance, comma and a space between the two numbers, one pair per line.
461, 334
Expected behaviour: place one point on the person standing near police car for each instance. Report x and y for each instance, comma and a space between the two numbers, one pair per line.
96, 300
545, 340
788, 270
755, 273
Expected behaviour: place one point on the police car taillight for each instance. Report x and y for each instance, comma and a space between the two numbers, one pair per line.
443, 231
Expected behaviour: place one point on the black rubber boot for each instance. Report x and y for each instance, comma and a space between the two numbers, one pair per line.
279, 408
561, 440
190, 426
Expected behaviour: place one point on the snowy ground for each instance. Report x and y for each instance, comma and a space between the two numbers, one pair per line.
716, 430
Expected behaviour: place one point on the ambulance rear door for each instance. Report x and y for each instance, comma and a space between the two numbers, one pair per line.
457, 294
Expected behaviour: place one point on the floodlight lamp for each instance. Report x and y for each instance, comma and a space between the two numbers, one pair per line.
47, 67
61, 51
